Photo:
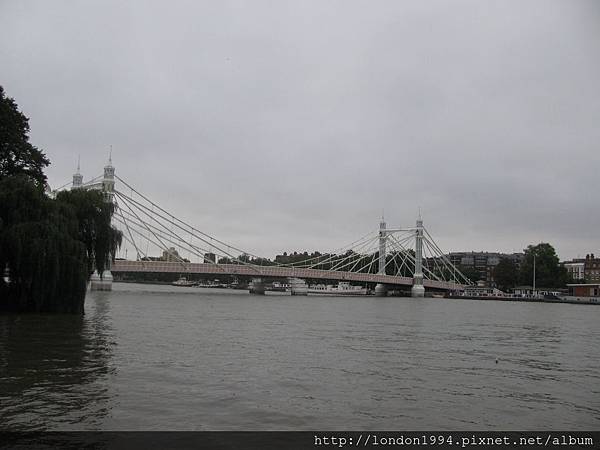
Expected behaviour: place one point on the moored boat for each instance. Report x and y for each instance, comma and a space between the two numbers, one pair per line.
183, 281
280, 287
343, 288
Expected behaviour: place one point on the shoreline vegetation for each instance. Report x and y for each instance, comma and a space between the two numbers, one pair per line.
48, 246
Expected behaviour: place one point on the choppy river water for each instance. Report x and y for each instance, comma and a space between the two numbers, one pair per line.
165, 358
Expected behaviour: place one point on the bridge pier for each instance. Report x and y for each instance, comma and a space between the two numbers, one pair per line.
101, 284
418, 290
298, 286
381, 290
257, 287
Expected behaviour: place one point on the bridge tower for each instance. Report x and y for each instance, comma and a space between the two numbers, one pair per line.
382, 241
108, 181
104, 282
381, 289
418, 290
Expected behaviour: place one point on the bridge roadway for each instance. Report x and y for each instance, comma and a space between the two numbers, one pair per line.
273, 272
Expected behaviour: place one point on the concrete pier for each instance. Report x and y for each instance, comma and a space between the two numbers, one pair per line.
257, 287
381, 290
103, 283
418, 290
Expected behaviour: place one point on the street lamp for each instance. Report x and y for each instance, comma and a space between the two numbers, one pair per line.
534, 274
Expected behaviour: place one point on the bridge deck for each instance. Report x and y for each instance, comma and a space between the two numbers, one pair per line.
272, 272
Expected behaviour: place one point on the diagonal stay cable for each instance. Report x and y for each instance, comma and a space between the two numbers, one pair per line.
163, 246
169, 239
189, 227
143, 208
182, 243
118, 211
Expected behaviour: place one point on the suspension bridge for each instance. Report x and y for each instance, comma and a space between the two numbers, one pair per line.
388, 258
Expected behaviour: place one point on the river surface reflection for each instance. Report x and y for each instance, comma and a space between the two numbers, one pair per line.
165, 358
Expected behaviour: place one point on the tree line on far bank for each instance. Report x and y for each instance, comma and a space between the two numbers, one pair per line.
48, 246
549, 273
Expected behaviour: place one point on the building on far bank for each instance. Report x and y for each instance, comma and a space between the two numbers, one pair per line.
484, 262
171, 255
591, 268
576, 269
584, 289
210, 258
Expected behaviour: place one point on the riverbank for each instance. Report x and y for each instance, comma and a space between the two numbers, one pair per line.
565, 299
162, 283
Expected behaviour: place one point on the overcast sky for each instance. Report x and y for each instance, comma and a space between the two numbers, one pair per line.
290, 125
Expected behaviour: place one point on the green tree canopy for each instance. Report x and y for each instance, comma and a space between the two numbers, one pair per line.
471, 273
506, 274
548, 271
39, 246
93, 215
17, 155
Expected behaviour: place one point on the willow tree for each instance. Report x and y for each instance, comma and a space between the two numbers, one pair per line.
94, 215
50, 247
46, 263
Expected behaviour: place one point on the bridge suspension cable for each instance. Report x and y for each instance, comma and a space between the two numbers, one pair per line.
161, 221
146, 217
185, 226
143, 219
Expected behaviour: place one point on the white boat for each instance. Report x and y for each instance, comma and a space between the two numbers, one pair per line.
183, 281
280, 287
343, 288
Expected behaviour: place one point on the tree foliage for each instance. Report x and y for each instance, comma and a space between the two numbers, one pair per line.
39, 247
548, 271
93, 215
506, 274
471, 273
17, 155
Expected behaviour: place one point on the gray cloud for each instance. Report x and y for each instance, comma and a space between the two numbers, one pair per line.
290, 125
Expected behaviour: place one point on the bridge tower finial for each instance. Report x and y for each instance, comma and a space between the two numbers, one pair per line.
108, 182
77, 177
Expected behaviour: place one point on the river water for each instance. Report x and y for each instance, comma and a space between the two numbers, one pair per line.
166, 358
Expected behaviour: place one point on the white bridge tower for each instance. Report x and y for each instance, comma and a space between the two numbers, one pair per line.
381, 290
418, 290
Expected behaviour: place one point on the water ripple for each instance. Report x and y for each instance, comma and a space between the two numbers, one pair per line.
146, 357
